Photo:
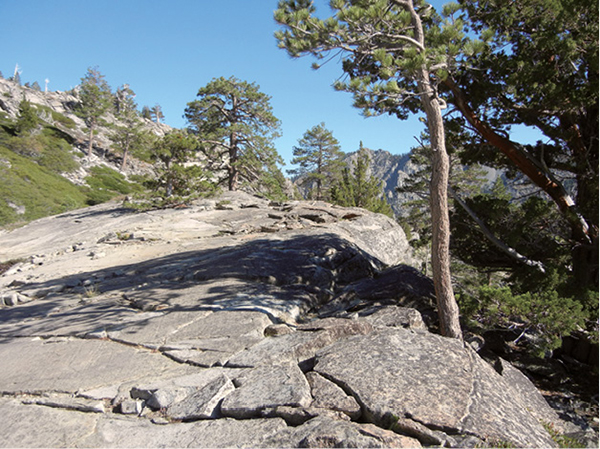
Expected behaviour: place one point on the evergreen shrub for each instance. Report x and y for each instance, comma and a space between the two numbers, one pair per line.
545, 316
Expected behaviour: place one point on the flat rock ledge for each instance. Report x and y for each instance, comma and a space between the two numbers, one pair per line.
239, 323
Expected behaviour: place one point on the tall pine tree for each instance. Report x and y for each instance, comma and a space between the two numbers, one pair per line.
319, 158
396, 54
236, 126
357, 188
96, 100
127, 134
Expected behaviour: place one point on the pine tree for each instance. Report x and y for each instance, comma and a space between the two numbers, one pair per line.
178, 178
127, 134
146, 113
96, 100
156, 113
539, 69
319, 158
396, 54
236, 126
357, 188
27, 120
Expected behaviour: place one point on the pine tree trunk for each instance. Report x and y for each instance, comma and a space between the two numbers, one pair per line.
233, 170
448, 312
233, 152
537, 174
124, 162
90, 142
440, 246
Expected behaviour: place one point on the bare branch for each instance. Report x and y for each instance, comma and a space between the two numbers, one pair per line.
492, 238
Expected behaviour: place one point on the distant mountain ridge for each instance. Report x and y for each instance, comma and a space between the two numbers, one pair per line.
393, 170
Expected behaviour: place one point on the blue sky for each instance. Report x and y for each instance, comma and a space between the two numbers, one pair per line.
167, 50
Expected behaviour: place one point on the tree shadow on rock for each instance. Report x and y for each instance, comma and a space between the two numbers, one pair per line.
285, 278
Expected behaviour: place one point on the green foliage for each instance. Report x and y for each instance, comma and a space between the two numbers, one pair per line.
95, 96
532, 227
382, 53
27, 120
96, 100
540, 69
236, 126
544, 313
57, 117
106, 178
466, 180
47, 148
357, 188
271, 185
319, 159
179, 180
127, 136
57, 154
24, 183
106, 183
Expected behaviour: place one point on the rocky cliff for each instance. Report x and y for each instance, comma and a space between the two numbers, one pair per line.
237, 322
57, 105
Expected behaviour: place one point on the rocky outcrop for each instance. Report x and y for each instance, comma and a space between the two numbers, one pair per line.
239, 323
56, 107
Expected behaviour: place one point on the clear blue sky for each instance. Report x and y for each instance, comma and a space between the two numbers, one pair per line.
167, 50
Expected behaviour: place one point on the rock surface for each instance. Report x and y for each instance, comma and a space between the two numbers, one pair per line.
239, 323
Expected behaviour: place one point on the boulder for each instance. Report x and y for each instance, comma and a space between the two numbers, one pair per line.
125, 432
394, 316
326, 432
329, 396
203, 403
267, 387
435, 381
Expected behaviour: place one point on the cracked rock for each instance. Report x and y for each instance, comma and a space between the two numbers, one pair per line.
203, 403
328, 395
267, 387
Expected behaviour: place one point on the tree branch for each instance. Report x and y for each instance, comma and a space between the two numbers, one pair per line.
514, 254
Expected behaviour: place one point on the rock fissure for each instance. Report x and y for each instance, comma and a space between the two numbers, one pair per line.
471, 393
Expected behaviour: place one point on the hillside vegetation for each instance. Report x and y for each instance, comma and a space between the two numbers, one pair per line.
43, 168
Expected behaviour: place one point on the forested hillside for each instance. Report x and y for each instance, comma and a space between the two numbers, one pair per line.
45, 166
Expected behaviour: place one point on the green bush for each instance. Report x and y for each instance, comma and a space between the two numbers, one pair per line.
544, 314
56, 154
57, 116
105, 184
40, 191
47, 148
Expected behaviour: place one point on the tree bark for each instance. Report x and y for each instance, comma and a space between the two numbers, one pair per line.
90, 141
448, 312
125, 153
232, 168
440, 227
